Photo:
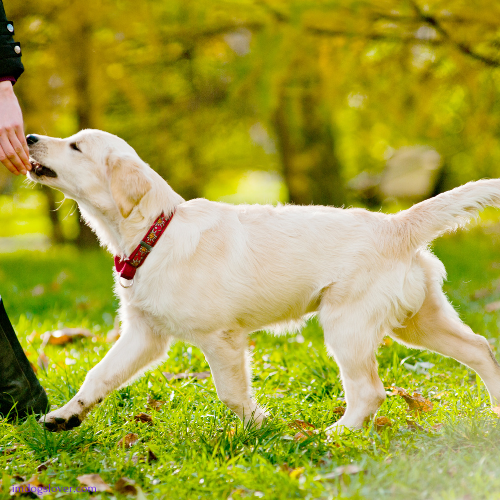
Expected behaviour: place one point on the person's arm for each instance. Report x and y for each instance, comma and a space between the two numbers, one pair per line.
14, 153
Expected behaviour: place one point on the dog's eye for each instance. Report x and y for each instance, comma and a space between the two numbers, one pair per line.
74, 146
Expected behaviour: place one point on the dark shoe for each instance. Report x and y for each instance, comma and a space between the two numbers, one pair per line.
20, 391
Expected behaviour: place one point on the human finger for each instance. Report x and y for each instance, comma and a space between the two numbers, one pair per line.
6, 162
18, 148
22, 139
11, 154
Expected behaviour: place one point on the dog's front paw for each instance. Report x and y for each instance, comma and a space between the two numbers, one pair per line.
60, 420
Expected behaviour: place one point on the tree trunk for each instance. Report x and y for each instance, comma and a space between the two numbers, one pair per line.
84, 108
311, 169
57, 235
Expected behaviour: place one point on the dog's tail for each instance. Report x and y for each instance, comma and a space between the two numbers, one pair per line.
448, 211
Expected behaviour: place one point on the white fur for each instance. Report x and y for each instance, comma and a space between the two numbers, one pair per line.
221, 271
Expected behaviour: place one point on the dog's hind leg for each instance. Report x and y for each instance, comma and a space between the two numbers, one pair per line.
352, 339
437, 327
137, 348
227, 355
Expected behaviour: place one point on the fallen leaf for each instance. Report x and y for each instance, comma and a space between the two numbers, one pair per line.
301, 425
416, 402
492, 306
94, 481
128, 440
43, 361
143, 417
155, 404
295, 473
151, 456
381, 422
339, 410
179, 376
496, 410
45, 465
437, 427
125, 486
413, 425
10, 451
302, 436
32, 486
64, 336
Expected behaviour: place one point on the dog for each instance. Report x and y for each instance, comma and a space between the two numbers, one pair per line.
221, 271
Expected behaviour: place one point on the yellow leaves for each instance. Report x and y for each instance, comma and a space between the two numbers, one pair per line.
295, 473
155, 404
32, 485
125, 486
144, 418
95, 482
305, 429
381, 423
416, 403
128, 440
64, 336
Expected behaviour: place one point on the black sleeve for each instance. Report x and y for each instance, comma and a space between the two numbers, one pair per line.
10, 51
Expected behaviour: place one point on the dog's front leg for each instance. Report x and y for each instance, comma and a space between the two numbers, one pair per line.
134, 351
226, 353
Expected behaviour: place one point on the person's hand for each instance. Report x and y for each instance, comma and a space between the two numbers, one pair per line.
14, 153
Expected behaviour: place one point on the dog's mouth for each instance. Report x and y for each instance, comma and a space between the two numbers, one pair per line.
41, 170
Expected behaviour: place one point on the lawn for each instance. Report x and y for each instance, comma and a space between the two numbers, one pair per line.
194, 447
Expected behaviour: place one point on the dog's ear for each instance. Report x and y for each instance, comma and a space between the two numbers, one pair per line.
127, 182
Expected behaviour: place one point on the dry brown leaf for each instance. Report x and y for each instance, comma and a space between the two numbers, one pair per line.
64, 336
496, 409
413, 425
45, 465
128, 440
179, 376
302, 436
492, 306
151, 456
339, 410
143, 417
416, 402
32, 485
437, 427
10, 451
155, 404
382, 422
125, 486
301, 425
94, 481
43, 361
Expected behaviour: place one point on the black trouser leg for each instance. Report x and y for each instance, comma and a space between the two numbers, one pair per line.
20, 391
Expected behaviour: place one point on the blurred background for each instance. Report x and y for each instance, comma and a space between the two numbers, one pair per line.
344, 102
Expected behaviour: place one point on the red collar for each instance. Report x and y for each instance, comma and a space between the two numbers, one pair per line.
127, 268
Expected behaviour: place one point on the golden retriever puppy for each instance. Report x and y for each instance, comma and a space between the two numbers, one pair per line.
220, 271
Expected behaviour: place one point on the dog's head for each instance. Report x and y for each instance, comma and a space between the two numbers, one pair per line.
98, 170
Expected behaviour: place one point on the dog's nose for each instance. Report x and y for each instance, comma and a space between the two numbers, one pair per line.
31, 139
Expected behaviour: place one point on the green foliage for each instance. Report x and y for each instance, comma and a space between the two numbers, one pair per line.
332, 87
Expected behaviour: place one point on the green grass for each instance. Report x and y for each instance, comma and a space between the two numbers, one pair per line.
203, 451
